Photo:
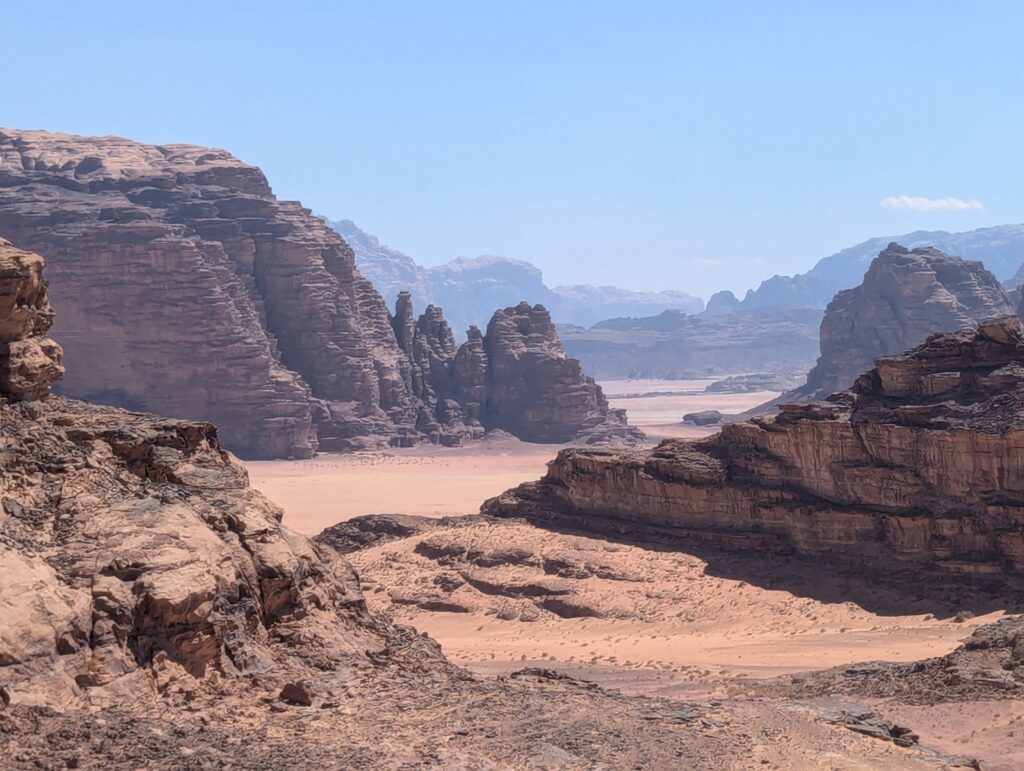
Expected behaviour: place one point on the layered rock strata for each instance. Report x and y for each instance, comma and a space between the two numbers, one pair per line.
920, 463
187, 288
905, 297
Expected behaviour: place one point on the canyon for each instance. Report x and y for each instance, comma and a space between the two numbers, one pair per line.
187, 288
158, 613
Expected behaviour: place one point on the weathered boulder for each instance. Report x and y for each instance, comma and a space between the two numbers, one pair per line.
30, 362
921, 462
703, 418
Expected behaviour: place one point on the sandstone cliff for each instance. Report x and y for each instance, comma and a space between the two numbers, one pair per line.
516, 378
905, 297
188, 289
919, 463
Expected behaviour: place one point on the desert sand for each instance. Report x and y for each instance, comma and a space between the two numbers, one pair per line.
437, 481
661, 622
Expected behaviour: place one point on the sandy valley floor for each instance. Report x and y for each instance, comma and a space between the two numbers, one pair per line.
650, 620
437, 481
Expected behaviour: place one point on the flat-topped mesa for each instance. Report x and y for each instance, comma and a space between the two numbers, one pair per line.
921, 462
29, 360
906, 295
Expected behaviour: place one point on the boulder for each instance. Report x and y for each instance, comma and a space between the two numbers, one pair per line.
703, 418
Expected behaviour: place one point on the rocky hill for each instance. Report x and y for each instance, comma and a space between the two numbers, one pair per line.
1000, 248
470, 289
906, 296
917, 465
188, 289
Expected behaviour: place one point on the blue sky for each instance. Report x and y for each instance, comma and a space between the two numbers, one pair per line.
694, 146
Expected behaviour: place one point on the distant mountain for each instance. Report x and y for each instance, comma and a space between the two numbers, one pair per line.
1000, 249
471, 289
674, 345
586, 305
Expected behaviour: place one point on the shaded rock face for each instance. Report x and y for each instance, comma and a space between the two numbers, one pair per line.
188, 289
29, 360
920, 463
516, 378
905, 297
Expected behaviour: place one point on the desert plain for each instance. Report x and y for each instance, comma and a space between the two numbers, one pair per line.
647, 619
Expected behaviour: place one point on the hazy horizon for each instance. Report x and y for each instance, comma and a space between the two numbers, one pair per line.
650, 146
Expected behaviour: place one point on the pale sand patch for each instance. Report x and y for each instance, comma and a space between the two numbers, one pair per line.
659, 411
672, 623
426, 481
439, 481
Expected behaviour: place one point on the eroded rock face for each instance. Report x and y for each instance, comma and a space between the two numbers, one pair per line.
905, 297
188, 289
130, 541
516, 378
920, 463
29, 360
537, 392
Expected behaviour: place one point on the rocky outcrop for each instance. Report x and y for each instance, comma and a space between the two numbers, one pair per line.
187, 288
534, 390
133, 544
30, 362
920, 463
905, 297
1000, 249
155, 614
722, 303
516, 378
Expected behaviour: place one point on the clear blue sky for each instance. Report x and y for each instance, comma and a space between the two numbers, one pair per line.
650, 145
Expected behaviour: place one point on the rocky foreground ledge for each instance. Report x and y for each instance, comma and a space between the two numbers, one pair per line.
921, 463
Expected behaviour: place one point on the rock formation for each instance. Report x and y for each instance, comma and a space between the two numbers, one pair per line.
905, 297
516, 378
156, 614
920, 463
722, 303
188, 289
29, 360
470, 289
1000, 249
